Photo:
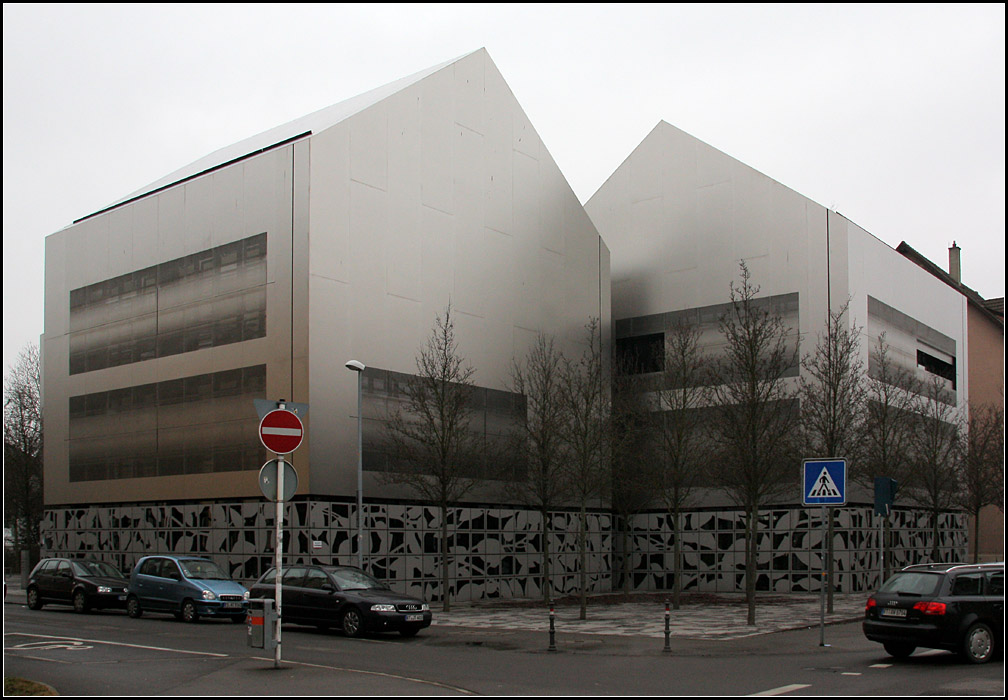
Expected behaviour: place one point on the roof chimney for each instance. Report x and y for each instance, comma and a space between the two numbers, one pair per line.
955, 271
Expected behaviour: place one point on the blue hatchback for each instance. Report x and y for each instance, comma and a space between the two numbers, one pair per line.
187, 587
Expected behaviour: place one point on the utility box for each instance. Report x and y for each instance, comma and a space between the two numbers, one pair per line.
262, 619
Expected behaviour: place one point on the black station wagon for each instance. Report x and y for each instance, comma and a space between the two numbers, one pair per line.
957, 607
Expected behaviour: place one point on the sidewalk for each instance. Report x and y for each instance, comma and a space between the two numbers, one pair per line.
701, 615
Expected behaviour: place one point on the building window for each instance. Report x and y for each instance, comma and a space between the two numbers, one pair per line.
193, 425
935, 365
211, 298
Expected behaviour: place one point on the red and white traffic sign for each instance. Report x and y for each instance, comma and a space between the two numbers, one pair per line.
281, 431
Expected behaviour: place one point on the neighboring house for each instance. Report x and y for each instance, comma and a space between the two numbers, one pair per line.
985, 373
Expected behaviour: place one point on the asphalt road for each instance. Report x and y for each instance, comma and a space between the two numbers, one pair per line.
108, 653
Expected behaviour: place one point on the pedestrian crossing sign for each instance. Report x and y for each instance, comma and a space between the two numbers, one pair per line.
824, 482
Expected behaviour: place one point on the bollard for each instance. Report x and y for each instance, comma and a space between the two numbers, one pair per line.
552, 616
667, 648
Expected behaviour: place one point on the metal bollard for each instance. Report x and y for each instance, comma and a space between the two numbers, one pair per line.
668, 647
552, 616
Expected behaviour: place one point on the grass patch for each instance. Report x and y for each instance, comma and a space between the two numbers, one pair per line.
21, 686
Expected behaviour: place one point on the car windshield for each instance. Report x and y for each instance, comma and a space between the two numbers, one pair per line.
95, 568
917, 583
202, 569
353, 579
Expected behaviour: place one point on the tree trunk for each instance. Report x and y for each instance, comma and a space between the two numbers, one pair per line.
583, 555
751, 525
976, 536
547, 587
677, 565
446, 603
829, 562
935, 553
625, 536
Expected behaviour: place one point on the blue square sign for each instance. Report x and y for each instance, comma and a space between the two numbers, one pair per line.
824, 482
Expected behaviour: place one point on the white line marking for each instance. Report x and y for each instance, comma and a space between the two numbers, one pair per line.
281, 431
880, 666
118, 644
376, 673
783, 689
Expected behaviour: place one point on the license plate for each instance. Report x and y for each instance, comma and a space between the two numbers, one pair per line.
232, 605
893, 612
414, 618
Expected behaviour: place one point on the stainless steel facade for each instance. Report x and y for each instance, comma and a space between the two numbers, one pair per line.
259, 272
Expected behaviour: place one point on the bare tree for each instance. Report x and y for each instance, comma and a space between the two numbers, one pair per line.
981, 470
756, 415
832, 403
436, 451
585, 410
537, 377
681, 453
890, 406
631, 463
23, 452
935, 443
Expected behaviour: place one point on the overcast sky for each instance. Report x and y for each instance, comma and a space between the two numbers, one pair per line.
892, 115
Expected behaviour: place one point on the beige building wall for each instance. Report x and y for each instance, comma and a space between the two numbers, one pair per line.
986, 382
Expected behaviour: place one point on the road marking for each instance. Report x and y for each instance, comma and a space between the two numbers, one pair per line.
42, 646
783, 689
379, 673
117, 644
880, 666
850, 673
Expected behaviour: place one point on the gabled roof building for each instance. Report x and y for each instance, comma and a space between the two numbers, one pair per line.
259, 271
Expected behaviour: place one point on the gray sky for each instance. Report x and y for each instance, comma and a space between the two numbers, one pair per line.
893, 115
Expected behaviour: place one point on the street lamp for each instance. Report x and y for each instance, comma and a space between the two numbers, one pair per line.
358, 367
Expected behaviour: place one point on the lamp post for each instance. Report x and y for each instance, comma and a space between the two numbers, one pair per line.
358, 367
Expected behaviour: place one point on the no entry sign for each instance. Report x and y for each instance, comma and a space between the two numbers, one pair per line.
281, 431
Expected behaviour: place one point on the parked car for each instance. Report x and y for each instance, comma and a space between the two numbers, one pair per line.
344, 597
187, 587
958, 607
82, 583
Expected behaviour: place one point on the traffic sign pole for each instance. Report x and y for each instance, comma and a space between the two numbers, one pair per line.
824, 483
280, 431
278, 589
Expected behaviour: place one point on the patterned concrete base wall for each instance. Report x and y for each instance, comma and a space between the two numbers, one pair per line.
495, 552
789, 550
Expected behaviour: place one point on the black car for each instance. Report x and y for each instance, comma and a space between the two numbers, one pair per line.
958, 607
82, 583
344, 597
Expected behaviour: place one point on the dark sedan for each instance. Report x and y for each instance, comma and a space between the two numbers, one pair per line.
344, 597
82, 583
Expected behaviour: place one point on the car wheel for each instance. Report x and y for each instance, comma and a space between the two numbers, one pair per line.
352, 622
978, 645
34, 599
189, 613
133, 608
900, 650
80, 602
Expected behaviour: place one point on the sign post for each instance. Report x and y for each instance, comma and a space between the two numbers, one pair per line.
824, 483
280, 431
